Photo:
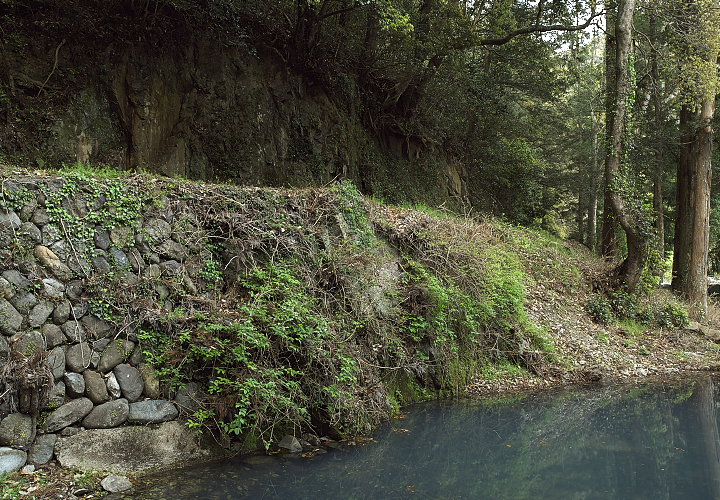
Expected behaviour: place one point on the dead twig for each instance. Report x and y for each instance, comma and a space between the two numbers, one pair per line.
57, 51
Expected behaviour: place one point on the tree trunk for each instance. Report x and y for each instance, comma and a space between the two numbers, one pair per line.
608, 238
659, 174
582, 206
595, 179
659, 214
591, 237
631, 268
692, 223
681, 241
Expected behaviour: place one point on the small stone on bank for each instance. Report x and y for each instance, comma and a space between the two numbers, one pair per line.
74, 384
290, 443
112, 386
68, 414
107, 415
11, 460
116, 484
17, 430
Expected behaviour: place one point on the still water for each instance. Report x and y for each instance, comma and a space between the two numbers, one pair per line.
654, 441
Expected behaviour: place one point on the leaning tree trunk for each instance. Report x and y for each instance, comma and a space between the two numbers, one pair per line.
630, 270
692, 223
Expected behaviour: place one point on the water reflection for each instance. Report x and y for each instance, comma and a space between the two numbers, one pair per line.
657, 441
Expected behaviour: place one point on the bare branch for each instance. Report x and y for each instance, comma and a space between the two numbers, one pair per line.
540, 29
57, 50
325, 15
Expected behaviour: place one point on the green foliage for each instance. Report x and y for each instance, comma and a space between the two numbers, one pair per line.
656, 265
211, 272
504, 369
472, 320
540, 339
84, 171
10, 487
451, 314
279, 304
599, 309
627, 308
404, 389
623, 303
262, 362
694, 45
110, 203
102, 303
352, 207
15, 199
514, 178
159, 351
632, 328
503, 286
672, 315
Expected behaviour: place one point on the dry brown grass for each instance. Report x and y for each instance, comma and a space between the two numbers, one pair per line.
712, 318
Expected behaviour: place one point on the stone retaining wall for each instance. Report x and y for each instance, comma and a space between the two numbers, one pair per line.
68, 369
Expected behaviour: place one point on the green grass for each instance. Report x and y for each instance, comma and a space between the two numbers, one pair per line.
503, 369
633, 329
432, 211
86, 171
10, 486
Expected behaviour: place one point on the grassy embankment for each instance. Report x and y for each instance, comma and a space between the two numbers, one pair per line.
318, 309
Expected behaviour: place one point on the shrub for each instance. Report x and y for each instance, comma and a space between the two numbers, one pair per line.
672, 315
623, 304
600, 310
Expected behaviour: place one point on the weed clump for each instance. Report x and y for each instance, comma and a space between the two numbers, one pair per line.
619, 305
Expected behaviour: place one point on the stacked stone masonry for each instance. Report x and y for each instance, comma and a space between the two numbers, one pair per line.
96, 376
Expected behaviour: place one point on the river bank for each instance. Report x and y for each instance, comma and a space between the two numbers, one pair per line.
255, 312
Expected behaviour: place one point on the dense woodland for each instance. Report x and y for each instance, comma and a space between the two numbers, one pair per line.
592, 121
407, 199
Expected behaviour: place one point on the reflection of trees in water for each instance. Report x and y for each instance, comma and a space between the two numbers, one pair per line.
704, 396
615, 442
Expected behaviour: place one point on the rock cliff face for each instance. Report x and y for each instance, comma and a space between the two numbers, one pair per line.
182, 101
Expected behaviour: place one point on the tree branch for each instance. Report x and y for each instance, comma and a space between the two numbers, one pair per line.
539, 13
57, 50
539, 29
320, 17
